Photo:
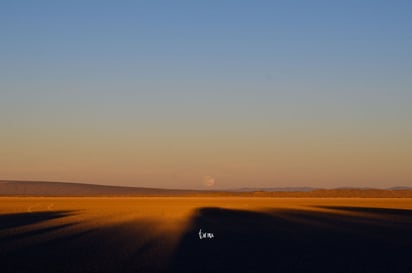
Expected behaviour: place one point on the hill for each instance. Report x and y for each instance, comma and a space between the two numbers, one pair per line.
43, 188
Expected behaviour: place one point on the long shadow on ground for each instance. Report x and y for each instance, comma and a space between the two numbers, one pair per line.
22, 219
322, 240
71, 246
295, 241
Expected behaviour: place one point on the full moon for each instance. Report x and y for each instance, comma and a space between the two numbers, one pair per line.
208, 181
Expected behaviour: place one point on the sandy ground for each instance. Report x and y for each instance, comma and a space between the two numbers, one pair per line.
161, 234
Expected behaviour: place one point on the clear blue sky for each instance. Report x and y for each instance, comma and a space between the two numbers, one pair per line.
163, 93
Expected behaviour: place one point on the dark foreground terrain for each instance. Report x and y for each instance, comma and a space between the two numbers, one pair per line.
48, 235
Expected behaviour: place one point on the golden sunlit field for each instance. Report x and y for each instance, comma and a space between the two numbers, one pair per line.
161, 234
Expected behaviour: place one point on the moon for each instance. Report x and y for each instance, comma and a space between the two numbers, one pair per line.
208, 181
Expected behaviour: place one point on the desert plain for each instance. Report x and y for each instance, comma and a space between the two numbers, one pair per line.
245, 234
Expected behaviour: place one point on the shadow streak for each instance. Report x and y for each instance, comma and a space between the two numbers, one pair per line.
378, 211
27, 218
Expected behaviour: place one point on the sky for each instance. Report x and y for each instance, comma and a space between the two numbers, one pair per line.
207, 94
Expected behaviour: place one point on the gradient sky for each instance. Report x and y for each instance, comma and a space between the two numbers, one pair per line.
174, 94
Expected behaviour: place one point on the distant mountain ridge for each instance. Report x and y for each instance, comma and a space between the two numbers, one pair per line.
401, 188
276, 189
45, 188
310, 189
